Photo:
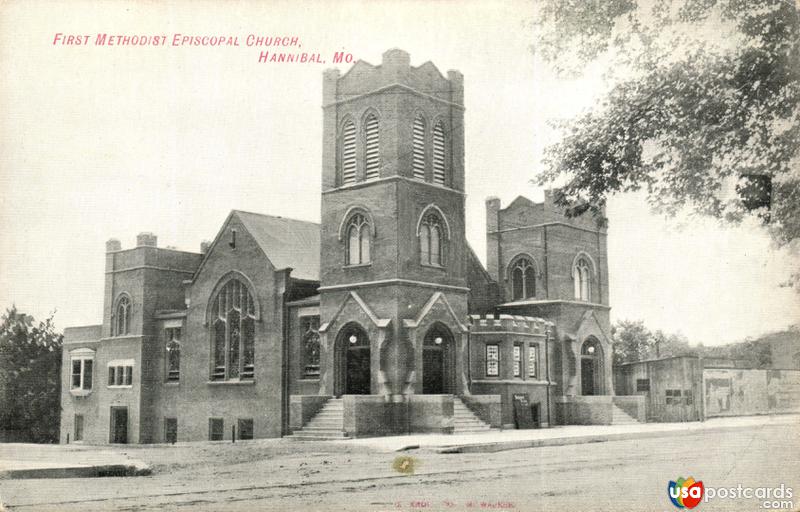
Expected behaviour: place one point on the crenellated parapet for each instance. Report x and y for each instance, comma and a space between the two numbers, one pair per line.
510, 324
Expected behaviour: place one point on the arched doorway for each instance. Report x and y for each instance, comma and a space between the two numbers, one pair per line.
438, 361
353, 375
591, 367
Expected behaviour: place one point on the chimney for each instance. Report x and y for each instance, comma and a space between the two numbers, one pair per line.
146, 239
204, 245
492, 213
113, 245
493, 237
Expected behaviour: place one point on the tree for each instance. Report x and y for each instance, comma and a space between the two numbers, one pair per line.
30, 377
702, 111
671, 345
632, 341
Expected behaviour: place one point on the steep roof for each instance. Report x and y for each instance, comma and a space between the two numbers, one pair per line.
288, 243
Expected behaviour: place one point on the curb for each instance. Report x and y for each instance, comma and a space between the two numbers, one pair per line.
135, 468
565, 441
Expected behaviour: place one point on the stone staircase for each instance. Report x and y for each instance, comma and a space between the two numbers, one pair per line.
465, 421
327, 425
620, 417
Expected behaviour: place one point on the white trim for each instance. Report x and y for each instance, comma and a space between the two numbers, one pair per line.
545, 224
121, 362
399, 282
588, 257
397, 177
516, 258
514, 333
82, 353
308, 311
441, 215
350, 211
381, 323
414, 323
149, 267
391, 86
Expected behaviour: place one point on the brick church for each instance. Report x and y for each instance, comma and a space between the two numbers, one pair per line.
380, 320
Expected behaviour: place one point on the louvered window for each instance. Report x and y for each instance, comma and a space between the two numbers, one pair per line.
419, 148
372, 154
349, 153
438, 154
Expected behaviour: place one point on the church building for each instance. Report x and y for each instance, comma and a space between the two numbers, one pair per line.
380, 320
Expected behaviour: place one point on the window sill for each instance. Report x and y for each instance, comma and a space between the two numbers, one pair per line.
433, 265
232, 382
360, 265
121, 386
80, 392
309, 379
172, 383
495, 380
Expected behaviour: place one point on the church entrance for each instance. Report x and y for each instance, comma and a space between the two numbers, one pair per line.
438, 361
353, 373
591, 368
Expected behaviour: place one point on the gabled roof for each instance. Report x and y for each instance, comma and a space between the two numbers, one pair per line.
288, 243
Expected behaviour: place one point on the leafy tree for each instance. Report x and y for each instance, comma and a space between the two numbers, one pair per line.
30, 377
632, 341
702, 110
669, 345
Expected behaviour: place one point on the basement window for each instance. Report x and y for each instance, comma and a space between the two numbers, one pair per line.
216, 428
245, 429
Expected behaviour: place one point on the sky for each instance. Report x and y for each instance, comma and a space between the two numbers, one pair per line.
101, 142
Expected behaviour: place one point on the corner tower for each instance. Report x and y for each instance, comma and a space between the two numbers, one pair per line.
393, 265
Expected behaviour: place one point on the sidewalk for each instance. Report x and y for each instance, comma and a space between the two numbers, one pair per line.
20, 460
562, 435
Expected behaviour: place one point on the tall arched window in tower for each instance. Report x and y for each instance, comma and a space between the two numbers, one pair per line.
582, 279
372, 154
234, 332
431, 240
438, 154
349, 153
418, 148
358, 231
523, 279
122, 319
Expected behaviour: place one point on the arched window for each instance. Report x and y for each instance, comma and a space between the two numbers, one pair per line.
234, 332
372, 153
349, 153
358, 231
430, 240
582, 279
418, 148
438, 154
122, 320
311, 347
523, 279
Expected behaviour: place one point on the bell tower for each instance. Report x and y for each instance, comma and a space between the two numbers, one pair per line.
393, 262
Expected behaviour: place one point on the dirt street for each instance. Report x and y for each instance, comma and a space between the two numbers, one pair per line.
286, 475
